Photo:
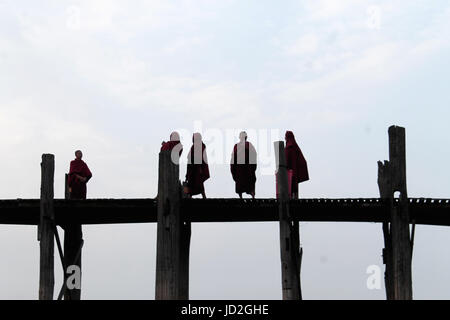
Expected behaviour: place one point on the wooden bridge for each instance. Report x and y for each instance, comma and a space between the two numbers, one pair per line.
174, 214
426, 211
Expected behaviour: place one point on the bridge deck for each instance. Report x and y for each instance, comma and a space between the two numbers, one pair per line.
112, 211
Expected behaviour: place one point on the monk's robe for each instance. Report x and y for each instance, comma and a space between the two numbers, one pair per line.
78, 187
295, 161
170, 145
197, 168
243, 167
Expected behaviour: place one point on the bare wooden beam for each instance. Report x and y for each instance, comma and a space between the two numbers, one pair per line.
73, 240
289, 239
397, 253
46, 229
173, 235
423, 211
66, 187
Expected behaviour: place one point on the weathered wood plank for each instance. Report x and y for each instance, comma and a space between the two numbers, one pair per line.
73, 240
397, 253
119, 211
46, 229
289, 240
172, 259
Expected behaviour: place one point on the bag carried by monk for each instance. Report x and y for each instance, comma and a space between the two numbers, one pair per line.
186, 189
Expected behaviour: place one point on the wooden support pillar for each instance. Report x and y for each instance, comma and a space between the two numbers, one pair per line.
173, 234
289, 233
397, 254
66, 187
73, 241
46, 229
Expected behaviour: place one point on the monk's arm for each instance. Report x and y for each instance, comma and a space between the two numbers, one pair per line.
88, 174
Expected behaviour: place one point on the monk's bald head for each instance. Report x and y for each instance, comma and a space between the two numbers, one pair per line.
78, 154
243, 136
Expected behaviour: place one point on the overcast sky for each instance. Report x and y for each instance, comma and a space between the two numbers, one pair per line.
114, 78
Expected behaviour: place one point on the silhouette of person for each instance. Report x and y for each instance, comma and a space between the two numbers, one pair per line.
296, 162
79, 175
197, 168
243, 166
174, 144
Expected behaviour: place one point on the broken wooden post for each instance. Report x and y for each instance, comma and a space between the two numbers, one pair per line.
46, 229
289, 239
173, 234
397, 254
73, 242
66, 187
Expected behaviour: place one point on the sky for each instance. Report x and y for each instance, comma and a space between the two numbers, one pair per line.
115, 78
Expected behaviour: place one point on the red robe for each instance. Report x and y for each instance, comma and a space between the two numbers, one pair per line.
170, 145
78, 167
243, 167
295, 161
197, 169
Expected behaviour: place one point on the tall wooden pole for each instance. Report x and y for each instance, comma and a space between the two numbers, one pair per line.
397, 253
173, 232
73, 239
289, 237
46, 229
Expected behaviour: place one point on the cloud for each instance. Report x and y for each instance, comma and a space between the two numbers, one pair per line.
306, 44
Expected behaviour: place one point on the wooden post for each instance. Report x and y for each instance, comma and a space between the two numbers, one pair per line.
73, 239
289, 237
397, 254
173, 232
46, 229
66, 187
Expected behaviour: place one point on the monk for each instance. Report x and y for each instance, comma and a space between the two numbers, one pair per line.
296, 162
197, 168
243, 166
79, 175
174, 144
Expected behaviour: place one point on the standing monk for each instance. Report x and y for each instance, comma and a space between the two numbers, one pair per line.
243, 166
197, 168
174, 144
296, 162
79, 175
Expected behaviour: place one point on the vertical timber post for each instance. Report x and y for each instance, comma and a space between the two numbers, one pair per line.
397, 254
45, 229
289, 243
73, 240
173, 234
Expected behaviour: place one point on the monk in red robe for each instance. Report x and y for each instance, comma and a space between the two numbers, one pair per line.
296, 162
197, 168
79, 175
243, 166
175, 145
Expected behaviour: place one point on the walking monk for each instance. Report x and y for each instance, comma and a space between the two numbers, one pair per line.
243, 166
79, 175
296, 162
197, 168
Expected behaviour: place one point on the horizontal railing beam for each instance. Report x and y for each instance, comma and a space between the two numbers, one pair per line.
116, 211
